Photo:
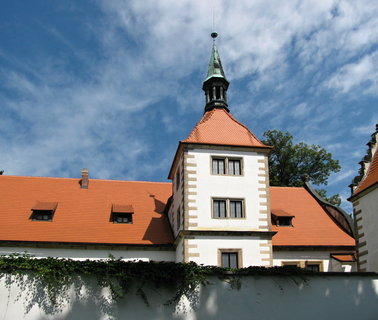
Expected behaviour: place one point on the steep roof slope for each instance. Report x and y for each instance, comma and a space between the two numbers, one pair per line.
219, 127
312, 226
371, 177
83, 215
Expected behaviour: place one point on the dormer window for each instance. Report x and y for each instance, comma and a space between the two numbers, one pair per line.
284, 221
43, 211
122, 213
282, 218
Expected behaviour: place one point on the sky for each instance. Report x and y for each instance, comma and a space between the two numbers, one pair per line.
112, 86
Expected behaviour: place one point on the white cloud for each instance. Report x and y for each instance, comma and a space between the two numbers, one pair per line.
58, 120
363, 73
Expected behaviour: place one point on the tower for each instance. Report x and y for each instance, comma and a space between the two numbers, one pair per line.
219, 210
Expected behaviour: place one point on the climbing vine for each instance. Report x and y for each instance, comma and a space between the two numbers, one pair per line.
50, 283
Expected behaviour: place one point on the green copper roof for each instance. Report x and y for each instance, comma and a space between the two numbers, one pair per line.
215, 65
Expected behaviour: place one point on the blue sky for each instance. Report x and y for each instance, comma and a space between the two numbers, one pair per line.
114, 85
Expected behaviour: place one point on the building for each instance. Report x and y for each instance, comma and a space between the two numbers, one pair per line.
218, 210
364, 198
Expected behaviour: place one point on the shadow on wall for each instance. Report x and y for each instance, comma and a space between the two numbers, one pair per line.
246, 297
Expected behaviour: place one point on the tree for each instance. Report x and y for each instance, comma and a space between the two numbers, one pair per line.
335, 199
1, 172
289, 162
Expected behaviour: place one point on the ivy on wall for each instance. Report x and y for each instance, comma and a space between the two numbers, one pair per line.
51, 283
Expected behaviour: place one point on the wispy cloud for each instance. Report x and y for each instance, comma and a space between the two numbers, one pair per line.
118, 90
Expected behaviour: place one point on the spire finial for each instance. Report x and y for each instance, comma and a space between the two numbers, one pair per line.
215, 84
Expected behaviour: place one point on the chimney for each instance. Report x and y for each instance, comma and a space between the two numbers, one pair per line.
84, 179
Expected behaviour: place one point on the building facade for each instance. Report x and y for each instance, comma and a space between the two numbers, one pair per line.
364, 198
218, 210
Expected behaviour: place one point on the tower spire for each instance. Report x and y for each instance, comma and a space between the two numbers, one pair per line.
215, 85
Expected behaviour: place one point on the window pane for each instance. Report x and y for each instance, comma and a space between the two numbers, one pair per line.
218, 166
230, 259
313, 267
225, 261
236, 209
222, 207
233, 260
234, 167
219, 208
221, 166
122, 217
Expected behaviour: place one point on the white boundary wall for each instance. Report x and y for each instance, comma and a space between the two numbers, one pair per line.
323, 296
93, 254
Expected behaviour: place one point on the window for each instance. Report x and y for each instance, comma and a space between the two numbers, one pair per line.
284, 221
226, 166
228, 208
122, 213
42, 215
219, 208
281, 218
218, 166
291, 264
122, 217
313, 266
316, 266
230, 258
43, 211
234, 167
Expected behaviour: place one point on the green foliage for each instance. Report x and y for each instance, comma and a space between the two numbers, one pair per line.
50, 283
335, 199
289, 162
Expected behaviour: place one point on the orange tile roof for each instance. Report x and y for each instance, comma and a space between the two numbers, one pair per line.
312, 226
82, 215
371, 176
49, 206
344, 257
219, 127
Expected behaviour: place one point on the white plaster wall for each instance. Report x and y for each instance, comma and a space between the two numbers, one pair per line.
177, 199
349, 296
329, 264
83, 254
369, 210
208, 247
286, 256
220, 186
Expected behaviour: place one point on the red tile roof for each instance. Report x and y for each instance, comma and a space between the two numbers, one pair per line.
344, 257
371, 176
83, 215
219, 127
312, 226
